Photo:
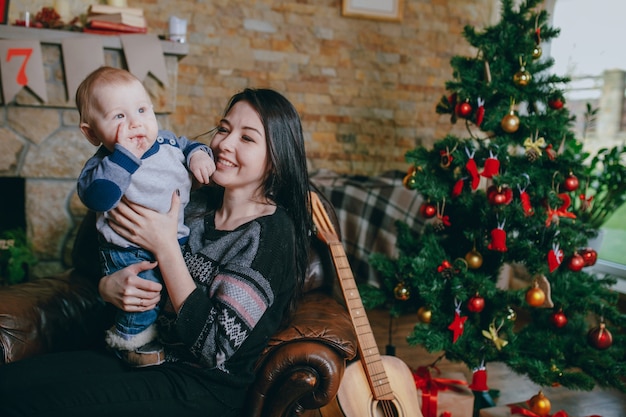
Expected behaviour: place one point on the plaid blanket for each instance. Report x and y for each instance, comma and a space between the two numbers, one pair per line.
367, 209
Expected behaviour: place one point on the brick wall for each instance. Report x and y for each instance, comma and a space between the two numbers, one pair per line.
366, 89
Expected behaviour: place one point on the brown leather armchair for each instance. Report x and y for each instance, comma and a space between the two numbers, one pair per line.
299, 371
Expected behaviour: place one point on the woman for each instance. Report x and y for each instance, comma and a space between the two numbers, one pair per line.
227, 292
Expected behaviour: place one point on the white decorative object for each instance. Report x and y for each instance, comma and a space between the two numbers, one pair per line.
177, 29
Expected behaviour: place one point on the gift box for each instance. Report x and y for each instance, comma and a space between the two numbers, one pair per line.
443, 394
503, 411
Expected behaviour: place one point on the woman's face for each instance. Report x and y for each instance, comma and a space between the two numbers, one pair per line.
240, 150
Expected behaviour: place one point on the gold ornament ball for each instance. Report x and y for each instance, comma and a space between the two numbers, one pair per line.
424, 314
535, 297
537, 52
510, 123
540, 404
409, 181
401, 292
522, 78
474, 259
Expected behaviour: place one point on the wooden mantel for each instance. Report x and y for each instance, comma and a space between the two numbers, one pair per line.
51, 40
53, 36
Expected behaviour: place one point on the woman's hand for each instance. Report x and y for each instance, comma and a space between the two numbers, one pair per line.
129, 292
157, 233
145, 227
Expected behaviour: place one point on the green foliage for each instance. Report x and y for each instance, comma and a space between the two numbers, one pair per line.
16, 256
606, 177
533, 162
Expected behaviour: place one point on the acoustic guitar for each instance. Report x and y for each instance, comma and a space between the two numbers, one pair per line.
375, 385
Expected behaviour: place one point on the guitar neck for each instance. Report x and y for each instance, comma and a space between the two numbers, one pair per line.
368, 349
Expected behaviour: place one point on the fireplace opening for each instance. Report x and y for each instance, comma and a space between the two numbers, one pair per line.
13, 210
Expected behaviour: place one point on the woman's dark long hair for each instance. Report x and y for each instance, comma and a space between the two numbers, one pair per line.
287, 181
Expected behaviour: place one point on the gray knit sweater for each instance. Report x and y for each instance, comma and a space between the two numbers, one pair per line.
245, 279
149, 181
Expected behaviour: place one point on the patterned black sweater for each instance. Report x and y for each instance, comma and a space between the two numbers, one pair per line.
245, 279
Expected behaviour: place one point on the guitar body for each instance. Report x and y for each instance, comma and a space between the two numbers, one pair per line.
354, 398
375, 386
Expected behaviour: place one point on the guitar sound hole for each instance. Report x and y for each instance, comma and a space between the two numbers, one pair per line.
387, 408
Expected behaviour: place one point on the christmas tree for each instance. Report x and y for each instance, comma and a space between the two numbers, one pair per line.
516, 193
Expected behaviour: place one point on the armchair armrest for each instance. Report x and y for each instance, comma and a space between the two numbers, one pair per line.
302, 367
55, 313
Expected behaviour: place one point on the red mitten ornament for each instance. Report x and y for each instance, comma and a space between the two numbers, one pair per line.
555, 257
492, 166
498, 239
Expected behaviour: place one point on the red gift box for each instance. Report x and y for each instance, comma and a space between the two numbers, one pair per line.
443, 395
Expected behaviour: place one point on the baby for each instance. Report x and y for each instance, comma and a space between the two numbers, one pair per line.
144, 164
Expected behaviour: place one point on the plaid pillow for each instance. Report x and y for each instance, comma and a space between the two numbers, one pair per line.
367, 209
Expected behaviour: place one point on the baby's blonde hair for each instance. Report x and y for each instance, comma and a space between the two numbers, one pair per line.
102, 76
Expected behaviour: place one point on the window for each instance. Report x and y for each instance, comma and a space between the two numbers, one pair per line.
588, 51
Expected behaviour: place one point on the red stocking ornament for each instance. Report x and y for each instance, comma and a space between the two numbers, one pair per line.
470, 166
458, 187
480, 111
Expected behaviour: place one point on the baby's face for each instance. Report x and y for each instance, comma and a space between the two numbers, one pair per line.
124, 114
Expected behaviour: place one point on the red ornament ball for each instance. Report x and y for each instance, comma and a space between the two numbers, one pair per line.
576, 262
428, 210
476, 304
600, 337
464, 109
555, 103
558, 319
570, 183
499, 195
590, 256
